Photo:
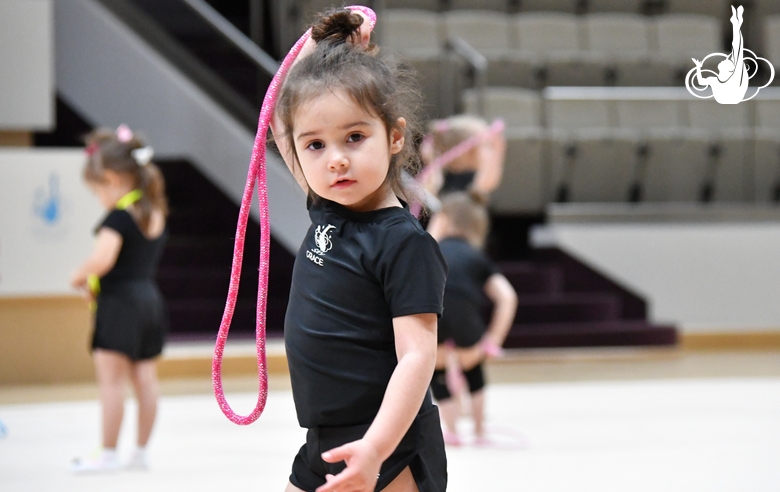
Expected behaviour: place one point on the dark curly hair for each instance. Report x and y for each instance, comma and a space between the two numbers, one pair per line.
382, 86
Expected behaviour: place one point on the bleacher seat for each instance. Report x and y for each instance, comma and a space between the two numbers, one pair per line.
573, 114
706, 7
676, 166
592, 164
772, 42
521, 189
432, 5
498, 5
680, 37
646, 115
518, 108
406, 30
629, 6
490, 33
767, 150
552, 41
625, 40
568, 6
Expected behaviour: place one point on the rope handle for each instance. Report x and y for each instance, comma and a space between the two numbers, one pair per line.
257, 174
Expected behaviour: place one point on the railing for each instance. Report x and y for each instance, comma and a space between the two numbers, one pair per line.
478, 66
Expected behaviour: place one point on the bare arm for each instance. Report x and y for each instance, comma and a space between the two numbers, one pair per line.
102, 259
492, 153
504, 297
415, 343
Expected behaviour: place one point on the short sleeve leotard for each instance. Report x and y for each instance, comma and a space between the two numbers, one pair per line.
131, 316
353, 274
463, 320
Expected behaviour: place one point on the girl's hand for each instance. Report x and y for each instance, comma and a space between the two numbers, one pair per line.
363, 464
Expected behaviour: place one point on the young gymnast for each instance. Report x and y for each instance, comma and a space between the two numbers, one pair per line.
471, 276
130, 316
368, 281
478, 170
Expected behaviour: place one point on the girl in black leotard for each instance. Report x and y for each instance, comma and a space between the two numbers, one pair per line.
367, 286
118, 277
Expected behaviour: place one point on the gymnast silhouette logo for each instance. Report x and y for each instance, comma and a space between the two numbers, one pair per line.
323, 242
730, 84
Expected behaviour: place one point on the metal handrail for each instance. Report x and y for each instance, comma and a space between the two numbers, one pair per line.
477, 62
234, 35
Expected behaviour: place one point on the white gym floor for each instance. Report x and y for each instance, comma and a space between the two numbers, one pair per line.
689, 434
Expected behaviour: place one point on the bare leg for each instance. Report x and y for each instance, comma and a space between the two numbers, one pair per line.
113, 372
403, 483
478, 412
449, 410
292, 488
144, 377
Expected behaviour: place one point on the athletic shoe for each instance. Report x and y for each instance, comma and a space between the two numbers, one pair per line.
100, 462
451, 438
138, 461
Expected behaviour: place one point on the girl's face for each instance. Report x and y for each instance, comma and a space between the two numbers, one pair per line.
111, 189
344, 152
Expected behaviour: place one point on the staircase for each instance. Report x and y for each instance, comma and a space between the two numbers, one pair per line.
194, 272
564, 303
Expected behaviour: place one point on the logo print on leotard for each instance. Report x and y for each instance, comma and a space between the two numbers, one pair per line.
323, 242
322, 239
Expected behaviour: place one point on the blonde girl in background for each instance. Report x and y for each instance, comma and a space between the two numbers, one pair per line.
463, 334
478, 170
130, 319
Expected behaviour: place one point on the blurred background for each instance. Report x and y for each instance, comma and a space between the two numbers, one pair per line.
631, 214
639, 224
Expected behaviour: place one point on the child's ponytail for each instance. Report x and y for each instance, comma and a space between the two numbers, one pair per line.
152, 184
337, 27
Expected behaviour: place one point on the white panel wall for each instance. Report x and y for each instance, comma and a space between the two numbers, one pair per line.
26, 65
47, 215
706, 277
112, 76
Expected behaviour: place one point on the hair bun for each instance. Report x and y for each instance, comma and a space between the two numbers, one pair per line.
337, 27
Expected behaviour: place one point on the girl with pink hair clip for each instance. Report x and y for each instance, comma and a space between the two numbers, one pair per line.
368, 281
118, 280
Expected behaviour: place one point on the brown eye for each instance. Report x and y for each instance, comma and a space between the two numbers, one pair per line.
354, 137
315, 146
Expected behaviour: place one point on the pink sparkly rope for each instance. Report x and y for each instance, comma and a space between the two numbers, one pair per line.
438, 163
257, 174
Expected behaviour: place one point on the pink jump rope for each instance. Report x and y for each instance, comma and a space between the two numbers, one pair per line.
439, 162
257, 174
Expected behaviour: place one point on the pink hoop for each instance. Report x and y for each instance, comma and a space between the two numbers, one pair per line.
257, 174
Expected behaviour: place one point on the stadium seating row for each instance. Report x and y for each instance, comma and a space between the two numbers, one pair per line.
633, 144
539, 49
710, 7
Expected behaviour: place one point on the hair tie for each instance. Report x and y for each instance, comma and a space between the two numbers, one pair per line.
143, 156
257, 174
91, 149
123, 133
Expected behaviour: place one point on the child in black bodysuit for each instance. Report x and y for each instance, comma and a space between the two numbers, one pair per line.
368, 281
472, 279
130, 317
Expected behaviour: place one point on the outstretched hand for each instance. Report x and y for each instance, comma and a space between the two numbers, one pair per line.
697, 62
362, 471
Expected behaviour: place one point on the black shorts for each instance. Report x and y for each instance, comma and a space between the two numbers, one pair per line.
131, 319
475, 378
421, 449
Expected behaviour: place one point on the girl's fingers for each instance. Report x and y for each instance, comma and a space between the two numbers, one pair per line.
335, 455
